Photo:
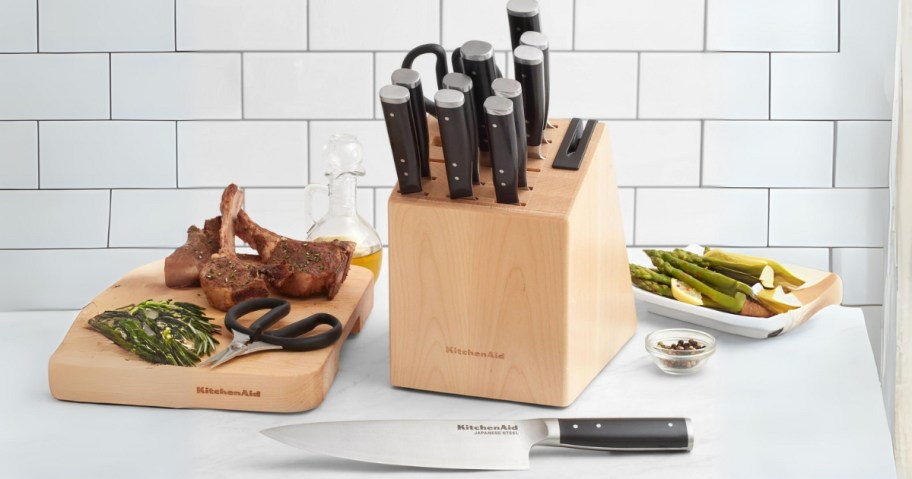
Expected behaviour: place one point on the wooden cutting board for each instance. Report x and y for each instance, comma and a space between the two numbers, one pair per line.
87, 367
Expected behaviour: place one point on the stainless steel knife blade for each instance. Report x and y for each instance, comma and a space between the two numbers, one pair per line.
470, 444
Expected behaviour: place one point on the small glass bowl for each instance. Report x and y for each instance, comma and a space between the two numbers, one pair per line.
680, 362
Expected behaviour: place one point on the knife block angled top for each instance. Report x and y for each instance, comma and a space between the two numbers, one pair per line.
520, 302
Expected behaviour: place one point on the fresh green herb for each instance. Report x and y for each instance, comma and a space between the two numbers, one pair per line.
160, 332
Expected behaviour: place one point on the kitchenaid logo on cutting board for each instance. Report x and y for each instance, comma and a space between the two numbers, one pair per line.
477, 354
497, 430
228, 392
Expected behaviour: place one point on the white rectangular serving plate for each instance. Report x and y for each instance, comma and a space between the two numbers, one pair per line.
821, 289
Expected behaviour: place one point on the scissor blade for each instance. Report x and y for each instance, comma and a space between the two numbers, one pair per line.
438, 444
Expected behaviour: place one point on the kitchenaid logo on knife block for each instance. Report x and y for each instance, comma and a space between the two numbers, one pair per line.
228, 392
477, 354
498, 430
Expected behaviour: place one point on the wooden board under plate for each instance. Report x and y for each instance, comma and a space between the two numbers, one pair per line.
87, 367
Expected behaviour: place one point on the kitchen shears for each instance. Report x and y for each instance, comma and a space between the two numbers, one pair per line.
258, 337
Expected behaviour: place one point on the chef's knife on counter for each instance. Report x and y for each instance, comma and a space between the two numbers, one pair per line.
502, 445
522, 16
411, 80
540, 41
512, 90
462, 83
401, 129
478, 63
528, 64
502, 127
458, 155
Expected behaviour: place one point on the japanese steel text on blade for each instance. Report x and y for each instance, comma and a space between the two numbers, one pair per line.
440, 444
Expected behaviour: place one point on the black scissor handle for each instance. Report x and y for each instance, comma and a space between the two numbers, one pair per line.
287, 337
278, 309
441, 67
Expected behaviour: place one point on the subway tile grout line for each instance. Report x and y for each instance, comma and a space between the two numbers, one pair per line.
37, 26
110, 214
769, 214
38, 150
639, 81
573, 29
176, 156
839, 25
633, 234
243, 115
439, 23
110, 88
769, 88
702, 143
705, 23
307, 12
376, 86
835, 146
175, 25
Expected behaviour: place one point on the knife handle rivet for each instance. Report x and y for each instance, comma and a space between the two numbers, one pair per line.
456, 178
495, 126
504, 184
401, 160
392, 114
670, 425
500, 171
599, 426
446, 118
575, 426
454, 164
405, 173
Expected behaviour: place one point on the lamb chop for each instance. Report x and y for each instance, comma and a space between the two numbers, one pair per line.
298, 268
226, 278
182, 267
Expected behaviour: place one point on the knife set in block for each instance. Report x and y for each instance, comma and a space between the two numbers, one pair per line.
522, 302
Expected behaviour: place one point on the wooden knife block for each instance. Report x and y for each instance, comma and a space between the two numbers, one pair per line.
515, 302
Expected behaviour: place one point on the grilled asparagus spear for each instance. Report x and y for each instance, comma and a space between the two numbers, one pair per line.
716, 280
653, 287
637, 271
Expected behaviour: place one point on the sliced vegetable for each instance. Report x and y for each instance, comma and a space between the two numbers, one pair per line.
781, 274
731, 304
777, 300
685, 293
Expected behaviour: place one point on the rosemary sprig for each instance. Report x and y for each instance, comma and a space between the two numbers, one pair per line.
160, 332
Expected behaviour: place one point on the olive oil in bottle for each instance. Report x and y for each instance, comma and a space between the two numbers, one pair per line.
343, 156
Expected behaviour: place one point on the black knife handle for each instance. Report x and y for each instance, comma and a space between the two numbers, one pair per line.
502, 125
532, 78
540, 41
461, 82
401, 129
512, 90
478, 63
411, 80
627, 434
454, 134
440, 65
523, 16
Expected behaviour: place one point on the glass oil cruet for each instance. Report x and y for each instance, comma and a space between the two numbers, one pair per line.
343, 155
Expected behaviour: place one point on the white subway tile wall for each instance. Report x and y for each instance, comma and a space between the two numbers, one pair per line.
754, 124
768, 153
18, 19
772, 25
106, 25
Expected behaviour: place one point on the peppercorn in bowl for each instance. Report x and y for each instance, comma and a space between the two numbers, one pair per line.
680, 351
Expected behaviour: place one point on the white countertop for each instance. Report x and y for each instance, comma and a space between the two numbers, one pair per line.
806, 404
